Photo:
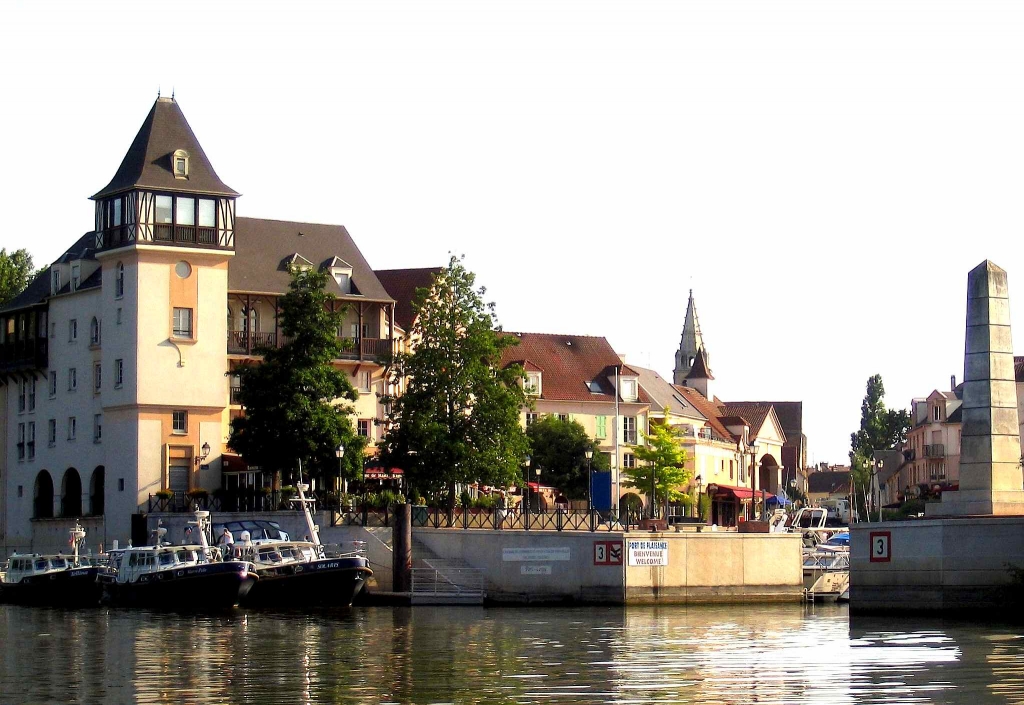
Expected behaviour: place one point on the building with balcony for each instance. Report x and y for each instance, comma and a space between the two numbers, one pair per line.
932, 448
116, 360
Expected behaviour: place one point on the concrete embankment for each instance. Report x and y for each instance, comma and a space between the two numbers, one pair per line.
625, 568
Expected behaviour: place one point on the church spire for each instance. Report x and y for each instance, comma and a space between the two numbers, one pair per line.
689, 344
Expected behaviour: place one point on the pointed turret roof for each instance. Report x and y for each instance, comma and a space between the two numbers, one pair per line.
147, 163
700, 367
690, 342
692, 339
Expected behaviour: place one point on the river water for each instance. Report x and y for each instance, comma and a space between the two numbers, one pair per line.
734, 654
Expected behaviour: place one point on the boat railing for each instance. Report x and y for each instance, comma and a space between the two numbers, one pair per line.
827, 561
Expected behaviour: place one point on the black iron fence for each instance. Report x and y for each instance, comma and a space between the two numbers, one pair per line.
493, 519
222, 501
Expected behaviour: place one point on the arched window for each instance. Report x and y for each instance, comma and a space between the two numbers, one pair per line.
96, 490
71, 494
43, 497
94, 331
119, 280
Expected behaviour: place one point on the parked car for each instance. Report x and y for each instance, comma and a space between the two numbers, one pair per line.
259, 529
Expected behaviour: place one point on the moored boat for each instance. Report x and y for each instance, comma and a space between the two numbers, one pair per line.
53, 580
299, 573
166, 576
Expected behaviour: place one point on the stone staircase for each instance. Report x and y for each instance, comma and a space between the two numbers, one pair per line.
443, 581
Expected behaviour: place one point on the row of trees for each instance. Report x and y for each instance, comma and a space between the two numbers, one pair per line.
456, 420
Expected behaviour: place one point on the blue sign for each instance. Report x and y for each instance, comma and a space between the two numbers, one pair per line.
601, 490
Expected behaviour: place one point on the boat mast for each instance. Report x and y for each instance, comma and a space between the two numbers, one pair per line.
314, 536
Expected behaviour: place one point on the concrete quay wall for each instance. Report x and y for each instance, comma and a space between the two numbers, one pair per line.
601, 568
935, 565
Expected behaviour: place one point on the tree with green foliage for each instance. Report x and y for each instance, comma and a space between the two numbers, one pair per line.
458, 419
16, 271
294, 399
559, 448
662, 465
880, 429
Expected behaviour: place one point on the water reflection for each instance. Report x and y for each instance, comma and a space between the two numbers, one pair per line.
763, 654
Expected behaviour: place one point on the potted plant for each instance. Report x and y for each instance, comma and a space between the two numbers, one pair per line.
165, 494
199, 494
287, 492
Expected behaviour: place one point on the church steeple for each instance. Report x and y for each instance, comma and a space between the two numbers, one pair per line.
689, 344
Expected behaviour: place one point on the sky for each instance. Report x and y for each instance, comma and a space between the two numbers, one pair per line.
822, 174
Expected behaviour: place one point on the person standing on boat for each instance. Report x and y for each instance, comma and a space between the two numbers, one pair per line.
226, 539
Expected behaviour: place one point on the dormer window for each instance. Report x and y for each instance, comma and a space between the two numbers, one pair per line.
627, 388
180, 161
76, 276
56, 280
532, 384
341, 271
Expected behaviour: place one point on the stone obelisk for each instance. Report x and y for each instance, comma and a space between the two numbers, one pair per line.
991, 481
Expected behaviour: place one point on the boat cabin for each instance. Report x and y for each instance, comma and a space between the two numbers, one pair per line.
134, 562
22, 566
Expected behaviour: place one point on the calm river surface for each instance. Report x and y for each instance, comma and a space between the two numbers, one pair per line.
769, 654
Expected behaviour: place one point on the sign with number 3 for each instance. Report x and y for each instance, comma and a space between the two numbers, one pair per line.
881, 546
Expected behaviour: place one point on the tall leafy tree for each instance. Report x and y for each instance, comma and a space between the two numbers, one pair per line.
16, 271
661, 464
880, 429
559, 448
294, 399
458, 419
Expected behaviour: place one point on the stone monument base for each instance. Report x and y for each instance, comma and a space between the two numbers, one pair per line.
938, 565
964, 503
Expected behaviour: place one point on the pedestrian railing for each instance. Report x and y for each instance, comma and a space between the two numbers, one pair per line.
498, 519
449, 585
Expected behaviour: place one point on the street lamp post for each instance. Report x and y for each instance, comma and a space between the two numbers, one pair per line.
696, 505
589, 452
526, 495
339, 452
654, 492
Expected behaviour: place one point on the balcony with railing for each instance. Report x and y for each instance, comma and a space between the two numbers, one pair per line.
935, 450
242, 342
185, 234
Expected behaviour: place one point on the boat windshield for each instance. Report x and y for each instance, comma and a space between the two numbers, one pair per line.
166, 558
41, 564
186, 556
58, 563
270, 556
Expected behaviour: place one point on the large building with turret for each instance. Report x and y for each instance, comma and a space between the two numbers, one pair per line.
116, 362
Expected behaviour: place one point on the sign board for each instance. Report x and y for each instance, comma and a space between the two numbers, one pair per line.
881, 546
647, 553
535, 570
607, 553
601, 490
535, 554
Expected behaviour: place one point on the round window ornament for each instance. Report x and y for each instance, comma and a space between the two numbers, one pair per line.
183, 269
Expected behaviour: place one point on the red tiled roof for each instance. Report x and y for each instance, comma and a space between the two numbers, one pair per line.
755, 412
402, 284
569, 363
708, 409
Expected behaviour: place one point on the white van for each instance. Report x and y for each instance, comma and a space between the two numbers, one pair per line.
839, 511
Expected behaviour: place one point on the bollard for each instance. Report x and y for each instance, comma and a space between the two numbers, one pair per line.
401, 565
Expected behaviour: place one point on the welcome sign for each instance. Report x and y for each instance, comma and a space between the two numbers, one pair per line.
639, 553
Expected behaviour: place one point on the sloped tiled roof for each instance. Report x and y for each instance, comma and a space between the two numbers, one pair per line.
700, 367
662, 394
38, 290
261, 245
789, 413
831, 482
754, 412
402, 284
569, 363
147, 164
707, 409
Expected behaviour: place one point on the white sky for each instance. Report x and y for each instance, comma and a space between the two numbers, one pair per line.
822, 173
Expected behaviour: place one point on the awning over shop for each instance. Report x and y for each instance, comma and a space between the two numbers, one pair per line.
726, 493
